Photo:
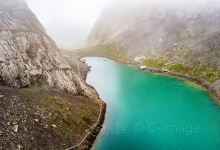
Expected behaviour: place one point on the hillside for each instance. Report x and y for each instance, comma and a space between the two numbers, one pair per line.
45, 102
182, 37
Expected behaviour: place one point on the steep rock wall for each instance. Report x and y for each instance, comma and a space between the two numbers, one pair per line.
28, 55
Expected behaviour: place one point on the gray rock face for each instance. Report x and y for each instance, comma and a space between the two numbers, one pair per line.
28, 55
187, 33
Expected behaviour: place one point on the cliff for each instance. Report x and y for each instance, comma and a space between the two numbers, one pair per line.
28, 55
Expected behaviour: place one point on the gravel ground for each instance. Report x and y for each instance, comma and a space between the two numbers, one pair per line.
38, 118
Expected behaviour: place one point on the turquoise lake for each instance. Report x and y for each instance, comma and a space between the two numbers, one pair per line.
152, 112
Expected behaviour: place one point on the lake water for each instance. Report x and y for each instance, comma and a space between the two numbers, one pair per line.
152, 112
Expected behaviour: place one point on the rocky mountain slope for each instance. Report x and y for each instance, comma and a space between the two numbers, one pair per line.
44, 100
185, 32
28, 55
35, 118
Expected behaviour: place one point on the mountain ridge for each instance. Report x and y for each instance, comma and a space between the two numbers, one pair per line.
187, 34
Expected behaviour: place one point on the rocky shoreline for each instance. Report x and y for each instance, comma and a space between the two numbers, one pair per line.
89, 139
207, 86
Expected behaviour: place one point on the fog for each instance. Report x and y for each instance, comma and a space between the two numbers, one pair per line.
164, 3
69, 22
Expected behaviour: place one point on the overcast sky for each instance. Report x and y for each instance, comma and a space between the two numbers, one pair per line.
68, 22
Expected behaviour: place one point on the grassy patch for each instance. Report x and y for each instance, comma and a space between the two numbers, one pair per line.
104, 50
67, 116
154, 63
179, 68
206, 72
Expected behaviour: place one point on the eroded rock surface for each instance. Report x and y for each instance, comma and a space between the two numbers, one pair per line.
29, 55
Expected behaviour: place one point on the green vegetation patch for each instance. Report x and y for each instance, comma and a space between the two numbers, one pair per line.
206, 72
104, 50
68, 116
154, 63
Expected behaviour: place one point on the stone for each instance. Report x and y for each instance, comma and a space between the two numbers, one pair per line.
143, 67
36, 120
1, 133
19, 147
53, 125
15, 128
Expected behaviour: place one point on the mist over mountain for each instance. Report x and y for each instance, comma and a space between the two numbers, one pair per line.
68, 22
177, 31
